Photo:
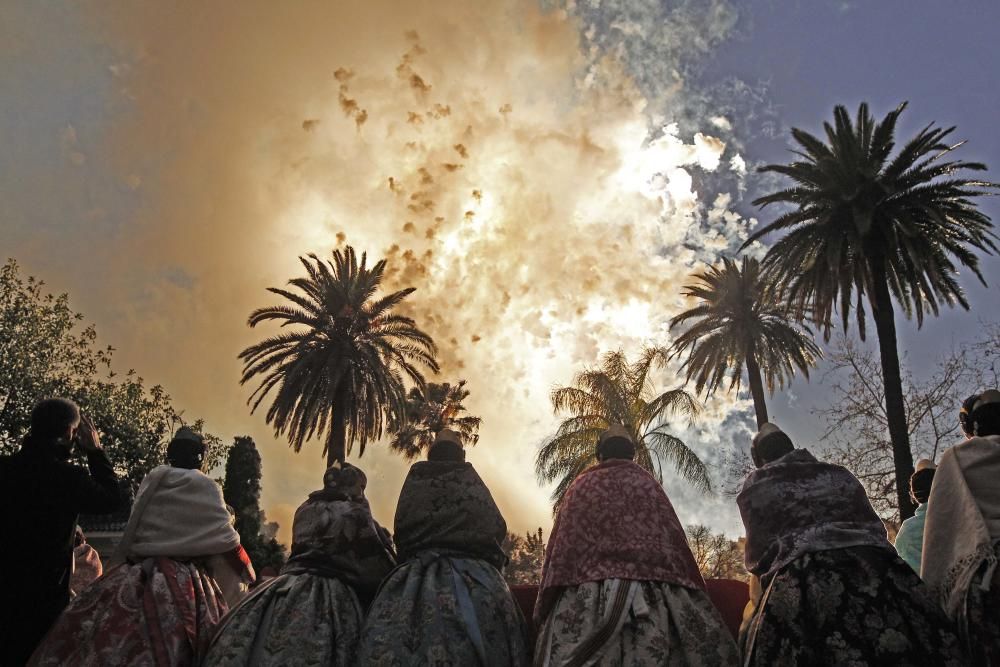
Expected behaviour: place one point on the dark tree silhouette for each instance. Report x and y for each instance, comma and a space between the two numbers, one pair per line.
740, 321
241, 490
338, 374
871, 228
430, 409
618, 393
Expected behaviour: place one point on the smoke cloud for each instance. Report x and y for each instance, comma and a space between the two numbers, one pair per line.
522, 167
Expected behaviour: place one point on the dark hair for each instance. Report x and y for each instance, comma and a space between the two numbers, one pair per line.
986, 419
616, 448
920, 484
446, 450
185, 453
965, 415
51, 418
771, 448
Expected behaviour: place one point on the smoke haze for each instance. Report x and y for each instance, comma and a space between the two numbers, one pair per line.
539, 175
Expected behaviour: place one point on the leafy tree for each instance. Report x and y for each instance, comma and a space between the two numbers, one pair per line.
740, 320
618, 392
47, 350
242, 492
717, 556
527, 555
856, 418
867, 226
430, 409
339, 373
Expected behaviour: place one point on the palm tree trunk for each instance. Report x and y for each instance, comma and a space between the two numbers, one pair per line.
885, 324
756, 388
336, 446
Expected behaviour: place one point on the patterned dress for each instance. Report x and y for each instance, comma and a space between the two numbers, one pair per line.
835, 592
157, 612
619, 584
311, 613
448, 603
852, 606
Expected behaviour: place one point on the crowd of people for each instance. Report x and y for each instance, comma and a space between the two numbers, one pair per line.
619, 584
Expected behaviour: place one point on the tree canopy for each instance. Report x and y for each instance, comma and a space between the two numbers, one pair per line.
47, 349
338, 373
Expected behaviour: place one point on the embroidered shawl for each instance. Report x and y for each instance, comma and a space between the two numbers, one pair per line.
798, 505
445, 507
963, 521
334, 535
615, 522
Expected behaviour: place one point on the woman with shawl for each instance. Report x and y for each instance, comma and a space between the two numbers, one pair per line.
834, 591
619, 584
161, 605
447, 603
312, 613
962, 533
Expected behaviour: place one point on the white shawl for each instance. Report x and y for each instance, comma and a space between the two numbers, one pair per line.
178, 513
963, 522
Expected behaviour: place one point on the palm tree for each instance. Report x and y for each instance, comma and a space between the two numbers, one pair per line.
618, 393
428, 410
739, 320
886, 227
339, 373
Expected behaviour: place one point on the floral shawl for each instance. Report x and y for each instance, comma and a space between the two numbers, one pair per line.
798, 505
445, 507
615, 522
963, 521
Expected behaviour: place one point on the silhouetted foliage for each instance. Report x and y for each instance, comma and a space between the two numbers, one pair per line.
338, 373
430, 409
241, 490
867, 226
527, 555
47, 350
717, 556
740, 322
618, 393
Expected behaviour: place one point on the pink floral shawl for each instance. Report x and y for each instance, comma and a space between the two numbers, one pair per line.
615, 522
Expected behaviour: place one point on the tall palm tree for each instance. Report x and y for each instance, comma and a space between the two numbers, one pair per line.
739, 321
618, 393
339, 373
871, 226
428, 410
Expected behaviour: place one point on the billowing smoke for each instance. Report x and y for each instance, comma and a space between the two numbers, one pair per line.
521, 167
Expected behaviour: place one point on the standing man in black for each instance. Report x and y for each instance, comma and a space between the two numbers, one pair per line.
41, 496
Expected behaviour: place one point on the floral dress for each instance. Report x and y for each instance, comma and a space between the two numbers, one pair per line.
448, 603
853, 606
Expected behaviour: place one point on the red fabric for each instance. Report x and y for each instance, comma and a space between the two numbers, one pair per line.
730, 597
616, 522
159, 612
240, 560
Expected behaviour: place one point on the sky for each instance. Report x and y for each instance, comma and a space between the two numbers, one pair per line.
546, 175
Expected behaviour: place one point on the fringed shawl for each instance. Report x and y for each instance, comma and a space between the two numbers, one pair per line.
798, 505
615, 522
963, 521
445, 507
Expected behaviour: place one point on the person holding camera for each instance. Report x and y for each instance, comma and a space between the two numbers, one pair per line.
42, 494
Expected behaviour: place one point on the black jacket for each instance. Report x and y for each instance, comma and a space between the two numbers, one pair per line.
41, 497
